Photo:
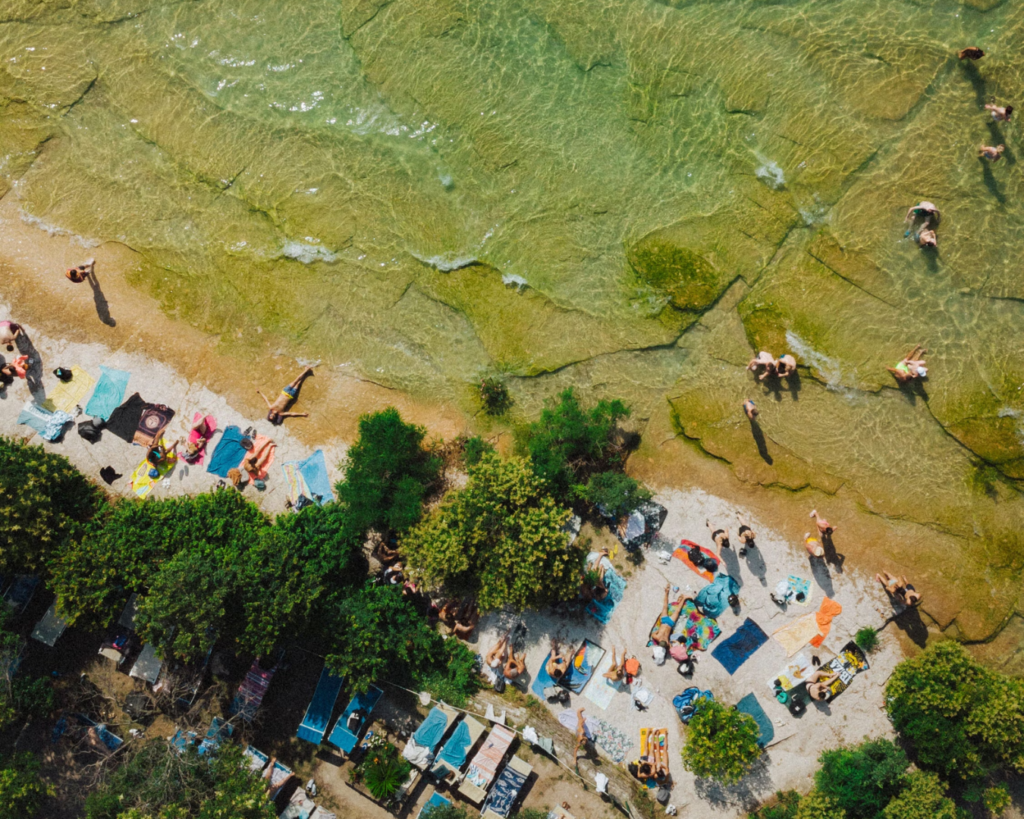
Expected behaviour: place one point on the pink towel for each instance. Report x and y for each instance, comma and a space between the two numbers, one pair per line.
193, 436
266, 457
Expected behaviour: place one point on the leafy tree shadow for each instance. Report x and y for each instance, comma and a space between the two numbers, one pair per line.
748, 792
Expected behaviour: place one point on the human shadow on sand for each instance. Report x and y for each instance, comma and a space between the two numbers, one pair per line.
910, 623
756, 565
819, 568
752, 788
34, 373
762, 444
832, 555
102, 305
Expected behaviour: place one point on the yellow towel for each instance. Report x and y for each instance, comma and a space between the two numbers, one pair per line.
66, 396
142, 484
794, 636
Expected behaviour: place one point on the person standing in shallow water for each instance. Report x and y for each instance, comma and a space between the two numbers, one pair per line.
1000, 114
80, 273
970, 53
993, 154
750, 408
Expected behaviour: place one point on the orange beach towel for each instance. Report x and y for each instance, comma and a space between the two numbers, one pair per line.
829, 609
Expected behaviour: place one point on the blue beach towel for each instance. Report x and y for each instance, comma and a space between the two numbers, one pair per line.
601, 610
109, 393
735, 651
455, 749
314, 472
576, 678
714, 599
542, 679
432, 729
750, 705
228, 454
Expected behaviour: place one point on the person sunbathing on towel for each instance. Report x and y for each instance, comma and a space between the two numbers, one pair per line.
899, 589
193, 448
515, 666
818, 683
659, 752
593, 579
617, 670
558, 664
276, 411
499, 654
581, 733
719, 536
663, 633
251, 462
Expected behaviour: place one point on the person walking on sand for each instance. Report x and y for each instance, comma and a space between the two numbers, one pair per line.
746, 535
813, 546
970, 53
765, 360
750, 408
824, 527
80, 273
719, 536
910, 367
1000, 114
276, 411
9, 332
990, 153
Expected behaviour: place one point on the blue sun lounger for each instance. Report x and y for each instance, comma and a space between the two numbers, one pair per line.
341, 737
318, 714
435, 801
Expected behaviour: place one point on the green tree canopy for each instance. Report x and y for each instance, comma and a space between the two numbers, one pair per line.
159, 783
567, 444
923, 797
297, 570
387, 474
378, 635
22, 697
862, 780
816, 805
22, 791
44, 501
615, 493
721, 743
500, 539
961, 719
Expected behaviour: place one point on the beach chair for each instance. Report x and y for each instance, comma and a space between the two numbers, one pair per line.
485, 764
506, 790
277, 776
21, 592
435, 801
452, 757
423, 744
182, 740
255, 760
318, 714
218, 732
254, 688
50, 627
344, 738
148, 666
299, 806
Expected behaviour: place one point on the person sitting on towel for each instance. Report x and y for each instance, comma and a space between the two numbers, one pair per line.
818, 683
618, 669
466, 619
498, 655
193, 448
515, 666
594, 587
558, 664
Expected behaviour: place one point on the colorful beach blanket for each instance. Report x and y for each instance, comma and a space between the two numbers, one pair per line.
700, 630
582, 666
828, 610
736, 650
681, 554
109, 393
48, 424
314, 473
142, 483
601, 610
612, 741
602, 691
541, 679
69, 394
750, 705
228, 453
154, 420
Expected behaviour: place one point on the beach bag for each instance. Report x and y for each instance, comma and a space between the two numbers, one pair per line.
90, 431
499, 684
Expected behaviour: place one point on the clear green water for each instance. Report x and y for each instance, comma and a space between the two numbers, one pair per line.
423, 191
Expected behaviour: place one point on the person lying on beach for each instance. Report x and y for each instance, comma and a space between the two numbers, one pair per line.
786, 366
990, 153
80, 273
746, 535
681, 655
659, 750
910, 367
923, 210
824, 526
750, 408
765, 360
899, 589
719, 536
818, 683
557, 664
9, 332
497, 656
515, 666
618, 669
970, 53
581, 733
663, 633
593, 579
251, 462
1000, 114
276, 411
194, 448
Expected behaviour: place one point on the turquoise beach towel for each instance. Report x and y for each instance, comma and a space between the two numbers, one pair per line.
601, 610
314, 472
109, 393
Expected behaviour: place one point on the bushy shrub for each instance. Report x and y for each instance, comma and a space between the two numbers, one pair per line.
862, 780
866, 639
721, 743
784, 807
996, 799
568, 444
44, 501
451, 811
494, 396
962, 720
923, 796
474, 449
453, 680
499, 539
615, 493
816, 805
22, 791
387, 474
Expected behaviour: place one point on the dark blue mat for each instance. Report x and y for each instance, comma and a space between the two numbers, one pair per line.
735, 651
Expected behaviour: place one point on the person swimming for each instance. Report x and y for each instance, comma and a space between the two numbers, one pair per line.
923, 210
970, 53
990, 153
999, 114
